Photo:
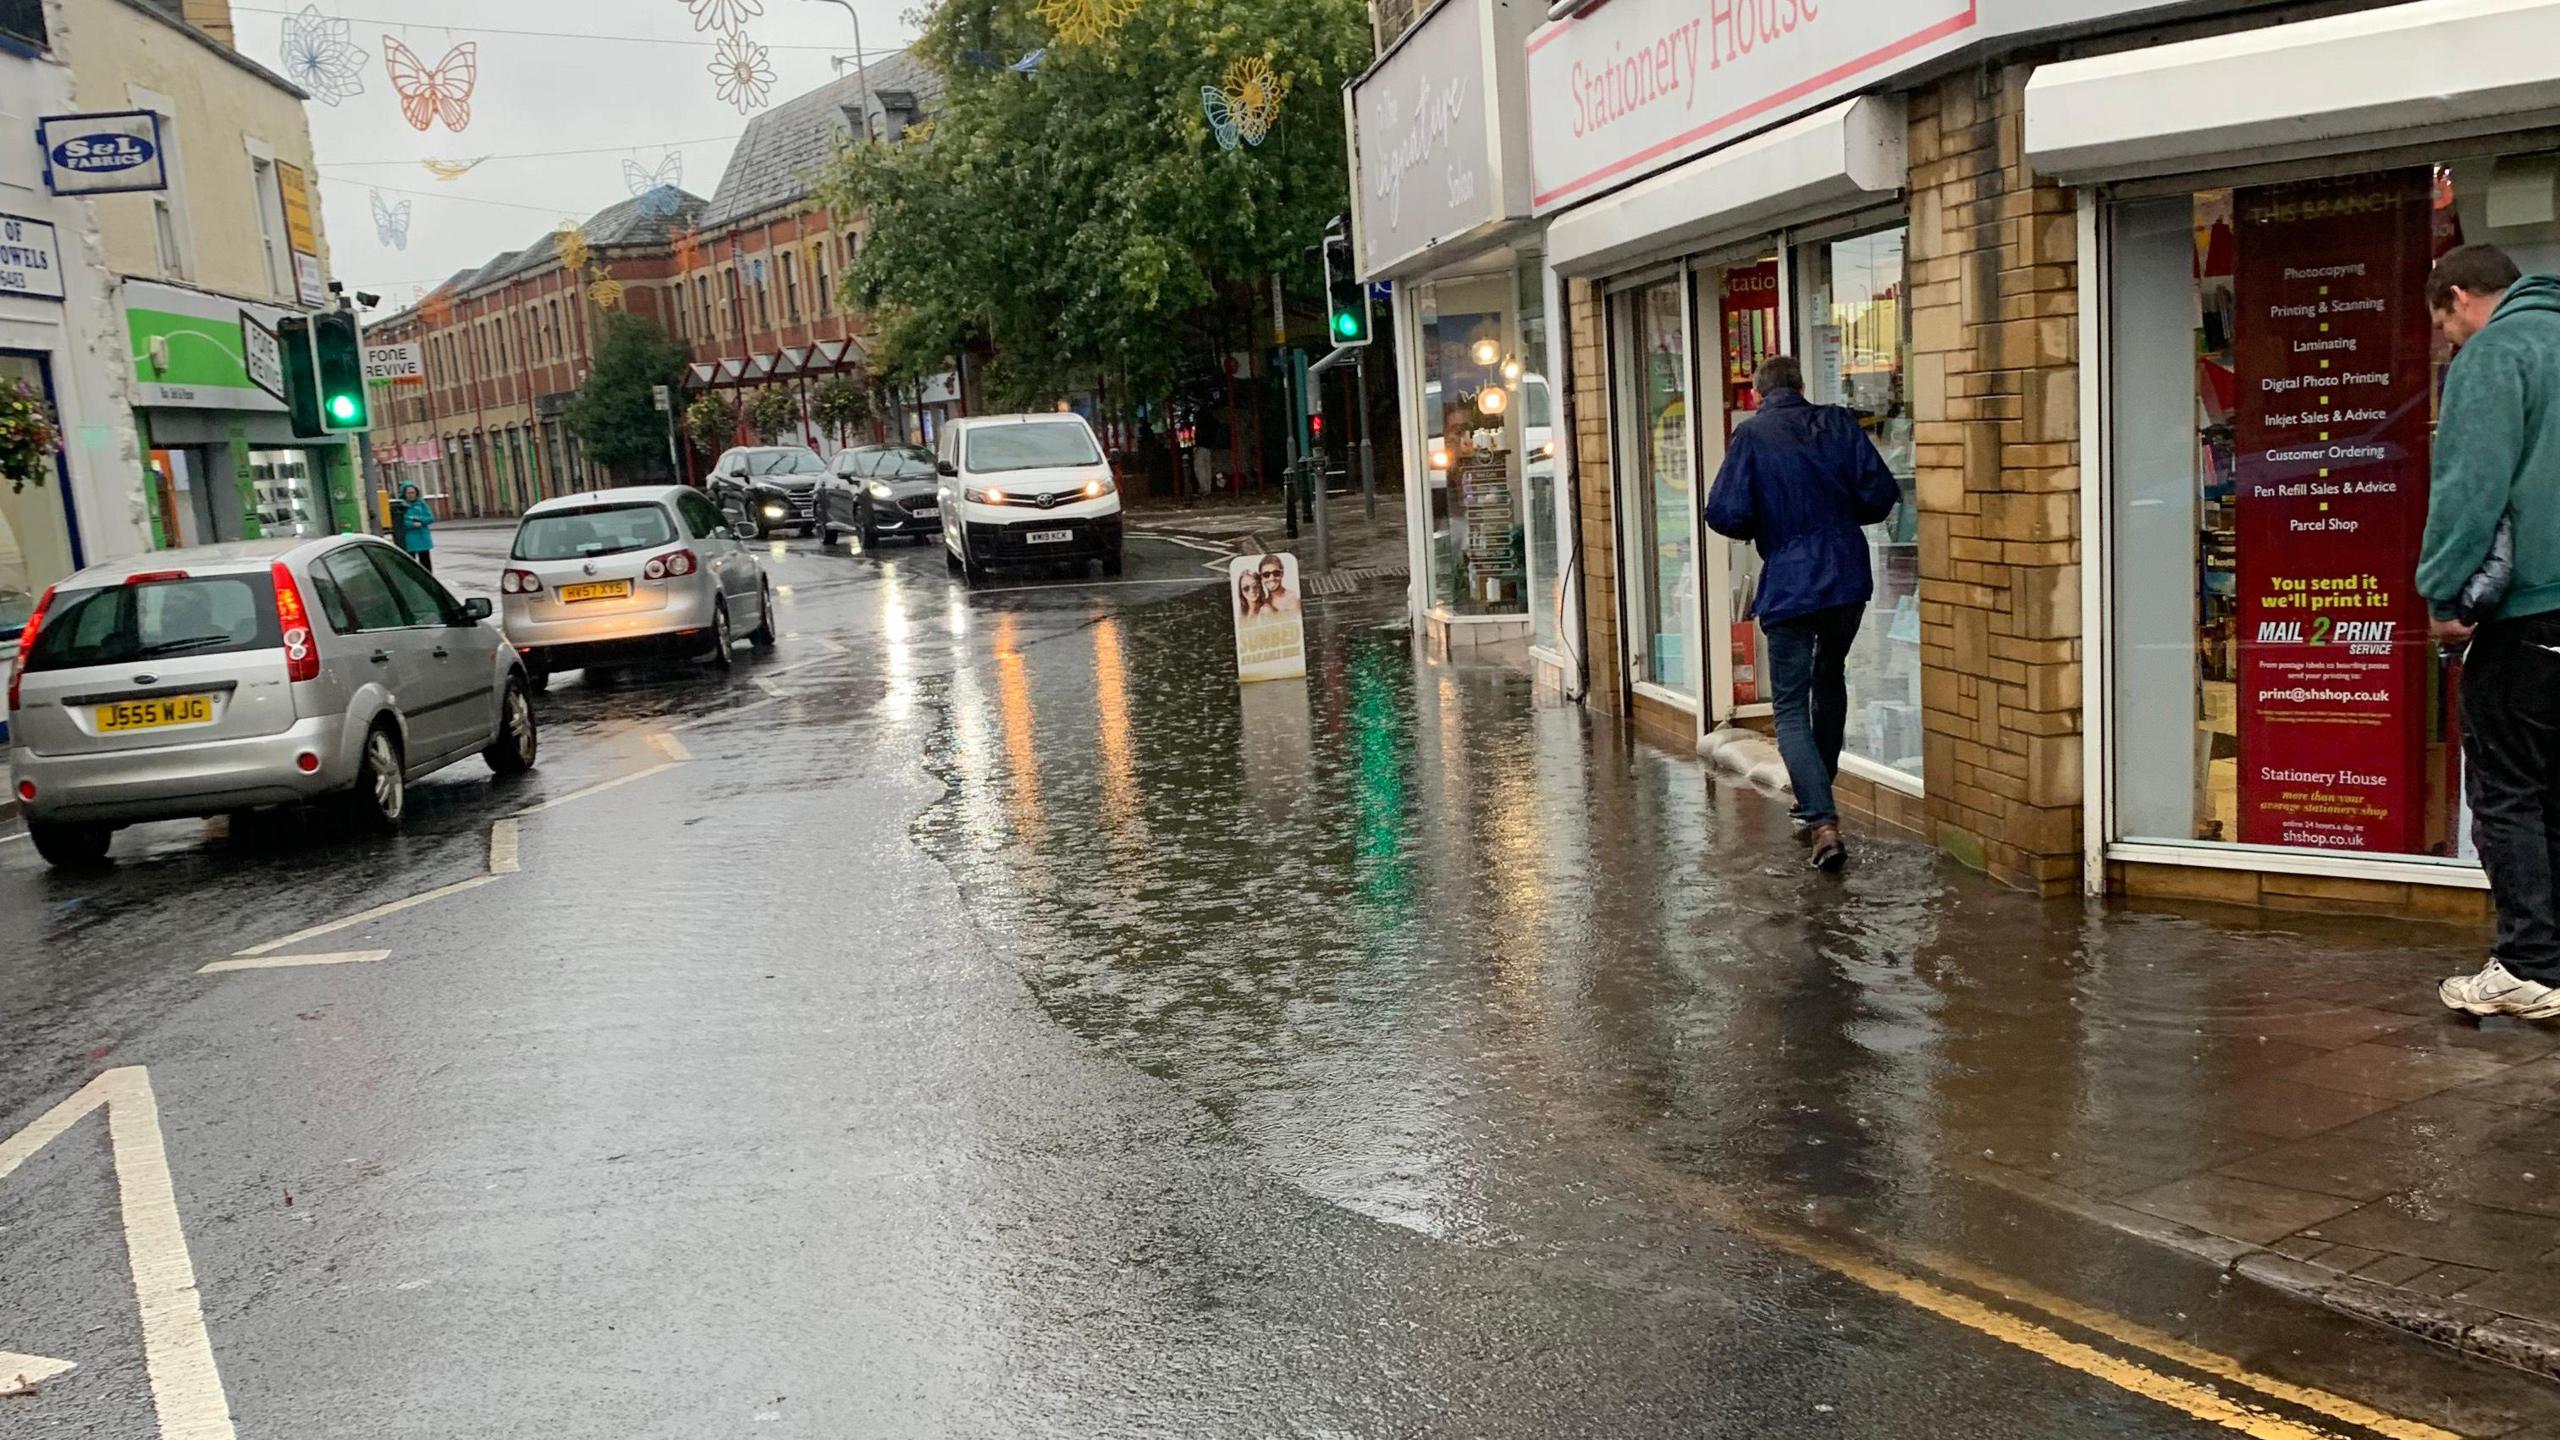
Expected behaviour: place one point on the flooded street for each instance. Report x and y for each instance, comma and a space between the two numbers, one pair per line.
979, 1016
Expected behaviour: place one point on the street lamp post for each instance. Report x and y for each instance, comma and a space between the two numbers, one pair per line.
861, 62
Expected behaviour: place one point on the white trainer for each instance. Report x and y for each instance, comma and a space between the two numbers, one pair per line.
2494, 991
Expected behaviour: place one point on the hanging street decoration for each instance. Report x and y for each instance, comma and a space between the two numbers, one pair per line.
723, 14
1085, 22
606, 292
658, 191
742, 71
321, 57
443, 93
572, 245
391, 222
452, 169
436, 311
688, 243
1243, 109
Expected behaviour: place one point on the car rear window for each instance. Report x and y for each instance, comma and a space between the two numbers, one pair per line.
594, 530
124, 624
1033, 446
785, 462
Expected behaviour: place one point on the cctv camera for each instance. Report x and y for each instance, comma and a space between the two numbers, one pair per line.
367, 299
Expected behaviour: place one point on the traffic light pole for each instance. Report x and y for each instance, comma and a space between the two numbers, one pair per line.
1368, 452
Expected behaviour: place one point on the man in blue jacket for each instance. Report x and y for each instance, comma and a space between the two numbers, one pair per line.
1798, 482
2497, 457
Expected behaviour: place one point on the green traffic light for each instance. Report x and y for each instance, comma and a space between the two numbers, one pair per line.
343, 406
1346, 324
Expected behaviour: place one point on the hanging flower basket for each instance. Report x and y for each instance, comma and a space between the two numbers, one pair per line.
27, 436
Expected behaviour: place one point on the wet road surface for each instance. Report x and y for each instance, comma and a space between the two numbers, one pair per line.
976, 1017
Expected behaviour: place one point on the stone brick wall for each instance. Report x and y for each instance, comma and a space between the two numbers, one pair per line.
1995, 389
1591, 468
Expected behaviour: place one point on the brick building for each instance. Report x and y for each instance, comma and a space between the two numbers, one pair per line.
2055, 260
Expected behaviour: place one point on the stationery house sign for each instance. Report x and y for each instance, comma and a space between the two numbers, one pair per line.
102, 154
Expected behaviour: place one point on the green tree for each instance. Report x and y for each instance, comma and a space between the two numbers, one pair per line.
774, 413
840, 406
712, 420
615, 415
1130, 243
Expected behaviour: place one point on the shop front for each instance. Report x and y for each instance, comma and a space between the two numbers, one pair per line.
2269, 720
1441, 211
1793, 242
223, 461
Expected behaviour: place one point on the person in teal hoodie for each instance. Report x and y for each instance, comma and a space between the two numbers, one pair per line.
2496, 489
413, 520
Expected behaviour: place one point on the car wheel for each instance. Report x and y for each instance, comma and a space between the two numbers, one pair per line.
826, 537
763, 636
71, 847
1114, 563
808, 530
380, 797
513, 752
537, 678
972, 569
870, 537
950, 561
722, 637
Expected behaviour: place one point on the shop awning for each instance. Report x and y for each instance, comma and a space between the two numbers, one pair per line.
1834, 159
2395, 76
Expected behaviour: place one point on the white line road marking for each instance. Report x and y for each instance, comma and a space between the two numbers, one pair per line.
731, 714
1205, 546
376, 913
186, 1388
21, 1374
288, 962
502, 848
1056, 585
5, 839
765, 684
597, 789
670, 746
820, 641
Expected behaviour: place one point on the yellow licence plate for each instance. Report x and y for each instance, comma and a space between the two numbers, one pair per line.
602, 590
155, 714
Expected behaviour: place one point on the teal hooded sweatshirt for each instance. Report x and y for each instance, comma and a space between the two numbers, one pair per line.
2497, 453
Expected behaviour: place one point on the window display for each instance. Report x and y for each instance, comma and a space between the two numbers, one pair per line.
1484, 415
1745, 300
288, 496
1661, 494
1856, 352
1538, 442
2286, 693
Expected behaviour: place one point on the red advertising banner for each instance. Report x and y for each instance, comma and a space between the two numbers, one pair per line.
2331, 342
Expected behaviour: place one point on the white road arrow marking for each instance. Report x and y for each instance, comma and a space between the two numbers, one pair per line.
21, 1374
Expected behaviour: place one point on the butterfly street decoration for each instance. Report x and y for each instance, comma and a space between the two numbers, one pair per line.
443, 93
658, 191
453, 169
391, 222
1242, 110
321, 57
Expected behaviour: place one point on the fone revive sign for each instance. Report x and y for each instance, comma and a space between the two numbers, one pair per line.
1633, 86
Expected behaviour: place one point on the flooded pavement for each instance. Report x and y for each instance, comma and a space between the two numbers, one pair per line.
979, 1017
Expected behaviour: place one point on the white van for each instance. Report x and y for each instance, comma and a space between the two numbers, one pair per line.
1025, 489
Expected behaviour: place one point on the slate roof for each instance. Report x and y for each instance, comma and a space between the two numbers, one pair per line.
621, 223
783, 149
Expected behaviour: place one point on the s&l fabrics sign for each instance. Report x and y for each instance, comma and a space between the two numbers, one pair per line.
102, 154
1636, 85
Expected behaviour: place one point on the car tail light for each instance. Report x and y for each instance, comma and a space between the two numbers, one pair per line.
301, 647
27, 643
307, 763
26, 790
154, 577
671, 566
519, 582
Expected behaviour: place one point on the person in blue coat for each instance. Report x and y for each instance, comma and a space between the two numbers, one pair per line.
1798, 482
413, 522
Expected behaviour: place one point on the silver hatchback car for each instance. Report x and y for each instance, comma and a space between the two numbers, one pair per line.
232, 677
613, 576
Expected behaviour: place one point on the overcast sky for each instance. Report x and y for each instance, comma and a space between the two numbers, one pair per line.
639, 93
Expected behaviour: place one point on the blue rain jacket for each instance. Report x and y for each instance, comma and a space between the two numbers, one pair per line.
1798, 482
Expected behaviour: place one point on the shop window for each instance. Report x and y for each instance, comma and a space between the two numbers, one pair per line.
1472, 377
1856, 351
2275, 385
1539, 440
1660, 492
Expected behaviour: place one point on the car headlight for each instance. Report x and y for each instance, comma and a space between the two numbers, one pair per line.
1094, 489
983, 497
773, 511
879, 491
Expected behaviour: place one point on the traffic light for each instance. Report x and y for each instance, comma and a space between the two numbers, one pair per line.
301, 376
338, 349
1346, 295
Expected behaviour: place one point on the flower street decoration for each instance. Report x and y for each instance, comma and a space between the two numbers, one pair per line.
1243, 109
742, 71
453, 169
321, 57
391, 222
606, 292
728, 15
1085, 22
443, 93
27, 436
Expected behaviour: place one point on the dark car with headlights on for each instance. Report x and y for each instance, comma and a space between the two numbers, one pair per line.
768, 487
880, 491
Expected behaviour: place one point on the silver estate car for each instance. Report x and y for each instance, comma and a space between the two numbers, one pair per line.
615, 576
231, 677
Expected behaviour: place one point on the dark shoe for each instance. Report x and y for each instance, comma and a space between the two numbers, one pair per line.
1803, 832
1829, 855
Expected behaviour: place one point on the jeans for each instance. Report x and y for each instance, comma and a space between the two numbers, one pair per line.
1808, 675
2511, 773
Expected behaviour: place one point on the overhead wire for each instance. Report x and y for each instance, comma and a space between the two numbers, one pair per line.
413, 23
